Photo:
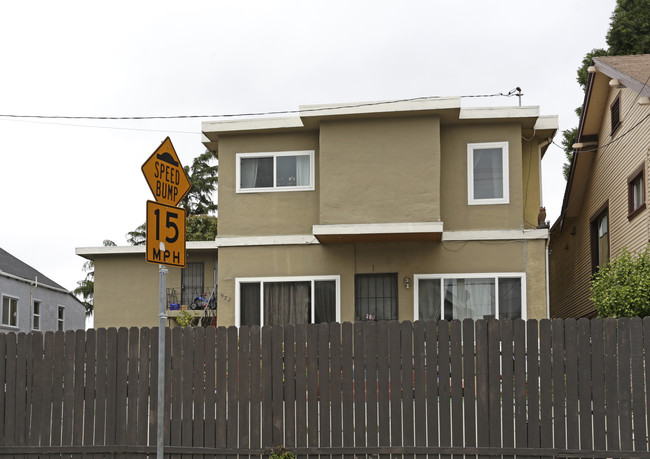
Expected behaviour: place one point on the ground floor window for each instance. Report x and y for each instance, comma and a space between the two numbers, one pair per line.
9, 311
470, 296
291, 300
375, 296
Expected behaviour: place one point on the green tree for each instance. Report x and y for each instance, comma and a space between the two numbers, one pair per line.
85, 290
629, 33
201, 228
138, 236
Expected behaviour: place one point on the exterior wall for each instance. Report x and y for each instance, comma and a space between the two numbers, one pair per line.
380, 170
128, 293
570, 258
254, 214
406, 259
456, 213
74, 313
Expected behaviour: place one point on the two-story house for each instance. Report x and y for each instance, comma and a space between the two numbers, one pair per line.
31, 301
604, 207
387, 210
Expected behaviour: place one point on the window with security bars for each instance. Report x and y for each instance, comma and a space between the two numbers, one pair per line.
375, 296
191, 282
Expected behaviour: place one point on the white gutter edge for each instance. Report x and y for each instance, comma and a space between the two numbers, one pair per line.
32, 282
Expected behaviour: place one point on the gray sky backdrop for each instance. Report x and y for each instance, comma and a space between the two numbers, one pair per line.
67, 184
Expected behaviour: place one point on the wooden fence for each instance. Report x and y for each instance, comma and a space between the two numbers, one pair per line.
561, 388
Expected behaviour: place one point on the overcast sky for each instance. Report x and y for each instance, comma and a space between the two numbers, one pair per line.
67, 184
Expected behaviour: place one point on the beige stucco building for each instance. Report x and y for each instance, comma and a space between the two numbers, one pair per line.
389, 210
604, 208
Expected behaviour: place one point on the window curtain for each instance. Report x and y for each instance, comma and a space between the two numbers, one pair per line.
488, 173
287, 303
302, 171
325, 299
249, 304
470, 298
429, 299
248, 172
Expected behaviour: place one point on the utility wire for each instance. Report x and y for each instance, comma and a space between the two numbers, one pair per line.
234, 115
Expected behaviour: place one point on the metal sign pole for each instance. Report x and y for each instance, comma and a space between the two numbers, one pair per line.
161, 361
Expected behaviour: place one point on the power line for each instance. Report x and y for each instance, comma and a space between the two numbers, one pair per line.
99, 127
234, 115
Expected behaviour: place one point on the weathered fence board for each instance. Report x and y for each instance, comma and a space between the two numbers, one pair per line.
473, 389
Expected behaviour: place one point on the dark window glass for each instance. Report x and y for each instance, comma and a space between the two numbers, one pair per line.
376, 296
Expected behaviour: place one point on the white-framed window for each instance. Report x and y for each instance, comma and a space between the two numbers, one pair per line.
275, 171
470, 296
36, 315
287, 300
60, 318
9, 311
487, 173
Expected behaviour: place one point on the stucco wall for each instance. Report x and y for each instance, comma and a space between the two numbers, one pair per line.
405, 259
74, 312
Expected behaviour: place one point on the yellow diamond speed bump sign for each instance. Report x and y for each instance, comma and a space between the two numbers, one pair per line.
165, 175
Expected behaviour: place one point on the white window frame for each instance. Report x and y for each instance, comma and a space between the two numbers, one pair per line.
2, 305
35, 315
470, 173
262, 280
275, 155
495, 276
60, 317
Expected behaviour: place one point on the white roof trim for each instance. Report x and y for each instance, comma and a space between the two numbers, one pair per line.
250, 124
292, 239
547, 122
130, 249
35, 283
495, 235
378, 228
382, 106
498, 112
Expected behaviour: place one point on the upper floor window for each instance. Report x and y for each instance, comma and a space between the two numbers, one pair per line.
60, 317
487, 173
9, 311
636, 192
600, 238
279, 171
615, 113
36, 317
470, 296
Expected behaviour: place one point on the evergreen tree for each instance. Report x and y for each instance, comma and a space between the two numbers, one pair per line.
85, 290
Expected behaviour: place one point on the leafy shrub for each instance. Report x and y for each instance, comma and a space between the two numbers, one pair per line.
281, 453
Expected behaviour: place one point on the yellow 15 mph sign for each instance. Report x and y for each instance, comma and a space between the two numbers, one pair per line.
165, 222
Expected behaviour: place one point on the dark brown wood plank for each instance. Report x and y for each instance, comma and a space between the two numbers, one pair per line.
79, 389
277, 380
494, 383
153, 389
598, 382
89, 391
312, 385
521, 418
37, 388
406, 349
482, 384
198, 411
20, 433
383, 393
359, 384
244, 387
10, 390
546, 382
431, 357
100, 387
255, 391
507, 381
68, 389
394, 355
457, 426
646, 365
233, 389
324, 384
45, 411
419, 376
335, 365
301, 384
559, 385
584, 382
371, 384
3, 377
469, 388
222, 384
121, 385
532, 356
611, 384
267, 387
187, 388
290, 386
167, 388
624, 384
638, 391
144, 380
132, 388
57, 387
176, 426
571, 370
210, 387
347, 385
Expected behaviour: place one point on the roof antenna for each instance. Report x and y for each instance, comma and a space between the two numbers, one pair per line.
519, 94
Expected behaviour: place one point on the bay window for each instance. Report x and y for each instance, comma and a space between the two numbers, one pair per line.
278, 171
